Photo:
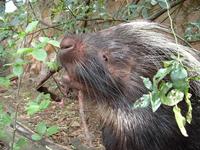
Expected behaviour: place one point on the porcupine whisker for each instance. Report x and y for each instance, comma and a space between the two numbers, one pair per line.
107, 79
113, 91
85, 73
97, 75
82, 71
94, 80
84, 82
116, 86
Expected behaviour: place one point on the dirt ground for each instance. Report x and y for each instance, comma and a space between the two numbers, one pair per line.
67, 117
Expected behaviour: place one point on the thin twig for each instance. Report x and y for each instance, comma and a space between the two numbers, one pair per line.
99, 19
32, 9
172, 27
46, 77
135, 2
42, 22
85, 23
72, 13
172, 12
58, 85
83, 19
16, 113
82, 115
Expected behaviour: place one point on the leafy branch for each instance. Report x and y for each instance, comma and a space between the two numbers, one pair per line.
170, 86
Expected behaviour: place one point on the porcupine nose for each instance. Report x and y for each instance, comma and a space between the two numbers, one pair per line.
66, 53
67, 44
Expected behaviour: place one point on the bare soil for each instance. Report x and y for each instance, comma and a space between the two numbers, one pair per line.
66, 116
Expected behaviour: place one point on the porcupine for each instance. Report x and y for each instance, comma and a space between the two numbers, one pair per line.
107, 66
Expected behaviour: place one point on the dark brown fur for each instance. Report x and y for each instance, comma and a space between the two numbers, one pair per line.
107, 66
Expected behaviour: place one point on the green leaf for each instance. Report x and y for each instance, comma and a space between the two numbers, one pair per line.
4, 82
180, 120
54, 43
38, 45
36, 137
5, 119
44, 104
44, 39
189, 105
41, 128
155, 101
154, 2
144, 101
165, 87
18, 69
39, 54
31, 26
181, 85
20, 144
168, 63
52, 65
173, 98
21, 35
50, 41
40, 103
179, 73
145, 13
161, 73
147, 83
1, 108
39, 98
32, 108
2, 19
23, 51
163, 4
52, 130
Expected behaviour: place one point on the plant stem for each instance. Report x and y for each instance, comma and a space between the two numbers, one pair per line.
172, 28
16, 113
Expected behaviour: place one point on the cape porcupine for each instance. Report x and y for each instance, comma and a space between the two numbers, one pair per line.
107, 66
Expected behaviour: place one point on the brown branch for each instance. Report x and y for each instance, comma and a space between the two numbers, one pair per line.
83, 19
102, 19
48, 75
16, 113
194, 41
85, 23
82, 115
162, 11
72, 13
34, 14
135, 2
42, 22
41, 88
58, 85
46, 28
